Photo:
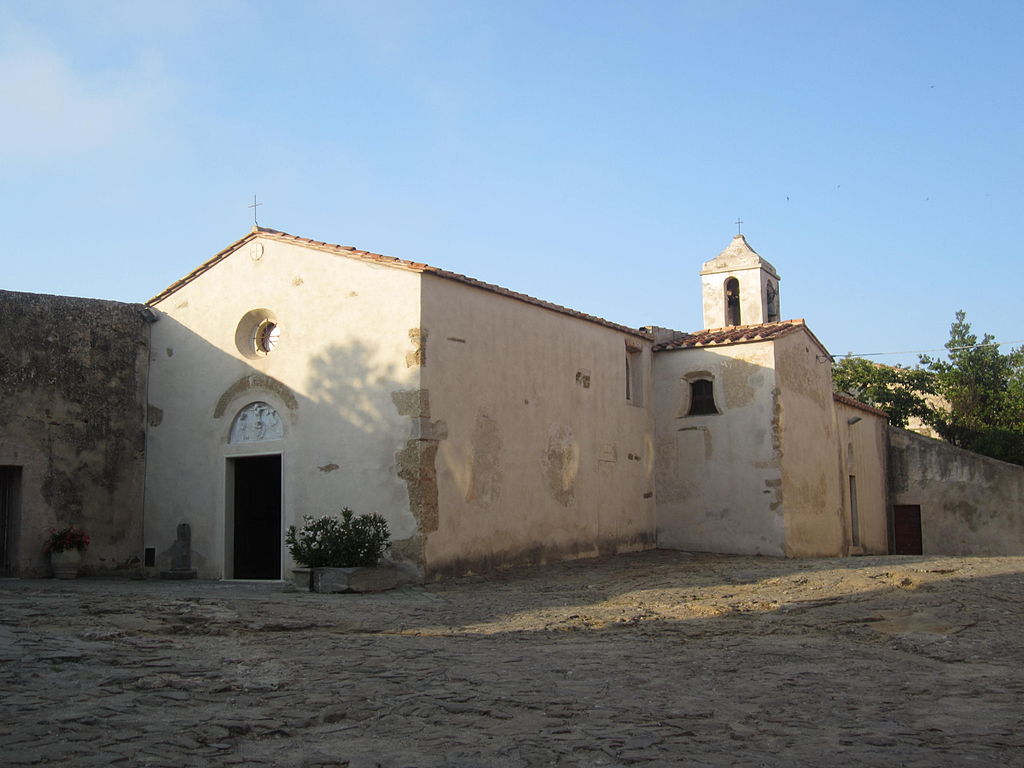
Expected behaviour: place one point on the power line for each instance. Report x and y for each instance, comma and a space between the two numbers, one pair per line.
926, 351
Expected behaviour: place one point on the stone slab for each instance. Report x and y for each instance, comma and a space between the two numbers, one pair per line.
377, 579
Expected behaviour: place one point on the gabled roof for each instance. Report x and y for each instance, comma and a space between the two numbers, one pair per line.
413, 266
735, 334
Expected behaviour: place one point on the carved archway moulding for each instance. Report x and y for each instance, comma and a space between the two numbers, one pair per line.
250, 385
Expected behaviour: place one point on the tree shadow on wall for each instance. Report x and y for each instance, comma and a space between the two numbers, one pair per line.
357, 387
352, 406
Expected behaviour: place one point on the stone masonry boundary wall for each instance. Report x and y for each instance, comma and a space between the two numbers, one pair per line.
72, 426
970, 504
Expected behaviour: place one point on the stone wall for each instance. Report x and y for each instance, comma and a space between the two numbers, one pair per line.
72, 436
970, 504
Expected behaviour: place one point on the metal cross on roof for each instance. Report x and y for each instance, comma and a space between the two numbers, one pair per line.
254, 206
739, 224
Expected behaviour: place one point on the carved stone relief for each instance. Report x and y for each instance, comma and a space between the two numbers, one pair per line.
255, 422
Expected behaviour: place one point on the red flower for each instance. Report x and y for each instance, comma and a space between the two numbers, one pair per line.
65, 539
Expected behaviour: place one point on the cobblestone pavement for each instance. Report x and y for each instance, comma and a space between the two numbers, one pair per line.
660, 658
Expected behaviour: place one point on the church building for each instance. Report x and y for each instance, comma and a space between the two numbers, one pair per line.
286, 377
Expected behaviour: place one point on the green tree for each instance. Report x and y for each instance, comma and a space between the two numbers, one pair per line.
900, 392
984, 389
980, 392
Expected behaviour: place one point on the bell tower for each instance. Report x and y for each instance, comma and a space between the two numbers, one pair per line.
740, 288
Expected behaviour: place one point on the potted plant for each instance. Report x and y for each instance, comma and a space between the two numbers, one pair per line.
65, 547
341, 554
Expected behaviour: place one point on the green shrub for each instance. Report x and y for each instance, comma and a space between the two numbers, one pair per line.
333, 542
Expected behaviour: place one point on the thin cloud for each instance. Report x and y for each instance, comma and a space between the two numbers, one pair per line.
56, 111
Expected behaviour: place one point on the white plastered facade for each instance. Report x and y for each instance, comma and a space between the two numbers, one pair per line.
488, 428
344, 334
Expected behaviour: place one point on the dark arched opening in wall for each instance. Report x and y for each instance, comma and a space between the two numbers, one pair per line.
702, 398
732, 301
772, 296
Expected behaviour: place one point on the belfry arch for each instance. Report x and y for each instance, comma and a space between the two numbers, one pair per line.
733, 314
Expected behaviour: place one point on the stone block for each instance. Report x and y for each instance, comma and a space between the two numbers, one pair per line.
303, 578
360, 579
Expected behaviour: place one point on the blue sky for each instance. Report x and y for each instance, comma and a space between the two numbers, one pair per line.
588, 153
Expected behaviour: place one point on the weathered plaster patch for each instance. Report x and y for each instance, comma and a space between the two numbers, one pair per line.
738, 382
967, 512
777, 422
418, 356
407, 550
425, 429
774, 488
60, 490
416, 462
706, 434
561, 463
154, 415
328, 467
412, 402
484, 462
297, 281
255, 381
170, 351
416, 466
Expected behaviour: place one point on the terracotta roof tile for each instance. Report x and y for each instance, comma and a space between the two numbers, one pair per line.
736, 334
839, 397
413, 266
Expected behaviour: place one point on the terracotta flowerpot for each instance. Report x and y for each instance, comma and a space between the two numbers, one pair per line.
65, 564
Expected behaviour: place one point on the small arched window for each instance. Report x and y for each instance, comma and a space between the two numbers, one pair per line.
732, 301
702, 398
772, 296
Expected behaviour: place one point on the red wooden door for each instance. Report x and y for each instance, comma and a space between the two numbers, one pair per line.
906, 521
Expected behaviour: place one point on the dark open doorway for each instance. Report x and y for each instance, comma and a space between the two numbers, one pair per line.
256, 521
10, 508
